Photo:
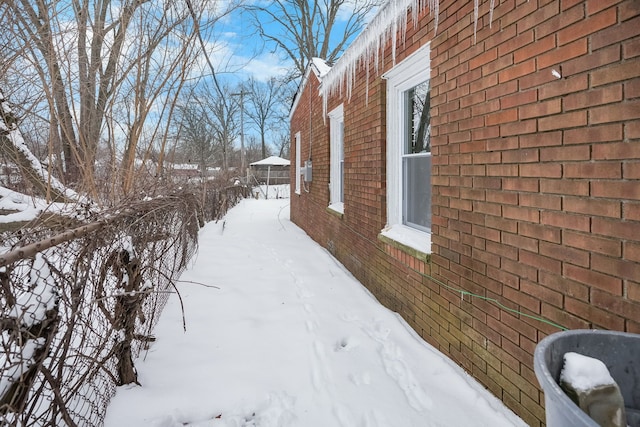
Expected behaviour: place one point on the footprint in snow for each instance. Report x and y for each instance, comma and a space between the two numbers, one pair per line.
346, 344
349, 317
362, 379
321, 373
311, 326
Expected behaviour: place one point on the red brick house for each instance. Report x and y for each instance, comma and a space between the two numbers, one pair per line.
482, 176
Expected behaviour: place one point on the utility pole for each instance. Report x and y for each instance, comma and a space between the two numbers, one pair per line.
241, 94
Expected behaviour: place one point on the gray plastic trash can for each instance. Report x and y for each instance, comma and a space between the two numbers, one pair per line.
619, 351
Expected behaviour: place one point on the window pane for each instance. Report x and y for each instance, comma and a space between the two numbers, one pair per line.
341, 181
416, 171
418, 118
336, 155
341, 177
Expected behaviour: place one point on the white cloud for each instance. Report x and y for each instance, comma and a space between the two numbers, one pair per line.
266, 66
350, 7
235, 58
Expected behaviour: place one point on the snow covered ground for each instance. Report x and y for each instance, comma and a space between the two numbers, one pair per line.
24, 208
279, 334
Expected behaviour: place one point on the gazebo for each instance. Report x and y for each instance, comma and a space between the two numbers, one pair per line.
271, 171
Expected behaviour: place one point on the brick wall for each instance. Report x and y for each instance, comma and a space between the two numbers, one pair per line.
314, 146
536, 185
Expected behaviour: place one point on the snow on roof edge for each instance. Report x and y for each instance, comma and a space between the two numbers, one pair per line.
320, 68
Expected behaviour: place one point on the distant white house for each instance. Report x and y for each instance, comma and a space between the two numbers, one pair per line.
183, 170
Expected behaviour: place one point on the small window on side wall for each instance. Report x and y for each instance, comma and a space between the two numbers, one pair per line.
298, 166
409, 152
336, 139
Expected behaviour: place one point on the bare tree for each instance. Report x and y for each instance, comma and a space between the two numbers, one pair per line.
207, 126
196, 134
13, 148
303, 29
223, 112
158, 83
254, 150
98, 62
46, 32
266, 104
282, 143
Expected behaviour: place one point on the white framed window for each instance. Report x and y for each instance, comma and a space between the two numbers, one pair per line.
298, 166
409, 152
336, 139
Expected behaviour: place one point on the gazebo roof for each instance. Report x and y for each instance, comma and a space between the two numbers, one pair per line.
272, 161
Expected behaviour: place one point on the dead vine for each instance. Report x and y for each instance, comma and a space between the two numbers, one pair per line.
77, 305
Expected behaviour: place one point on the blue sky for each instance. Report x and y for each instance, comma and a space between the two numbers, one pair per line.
241, 53
238, 53
246, 53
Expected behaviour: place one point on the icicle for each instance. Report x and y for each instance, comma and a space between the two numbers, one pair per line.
371, 43
492, 5
434, 7
366, 92
475, 19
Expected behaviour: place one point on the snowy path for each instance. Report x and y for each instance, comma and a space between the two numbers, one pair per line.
290, 339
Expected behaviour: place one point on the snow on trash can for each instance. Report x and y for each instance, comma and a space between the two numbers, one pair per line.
620, 353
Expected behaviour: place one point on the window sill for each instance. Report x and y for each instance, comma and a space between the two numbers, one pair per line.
336, 209
414, 242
